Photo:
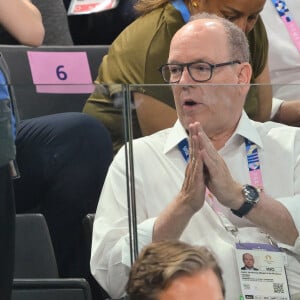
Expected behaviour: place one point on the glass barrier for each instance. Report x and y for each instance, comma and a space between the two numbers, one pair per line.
140, 118
158, 168
131, 111
218, 105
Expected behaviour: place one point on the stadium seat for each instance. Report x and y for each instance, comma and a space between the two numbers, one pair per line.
34, 254
50, 289
97, 291
36, 275
32, 103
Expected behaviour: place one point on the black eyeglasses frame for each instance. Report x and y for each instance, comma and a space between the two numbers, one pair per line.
187, 65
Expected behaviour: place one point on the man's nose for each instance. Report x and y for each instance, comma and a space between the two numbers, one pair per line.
185, 76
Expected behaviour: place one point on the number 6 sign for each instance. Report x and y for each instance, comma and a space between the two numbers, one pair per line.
60, 72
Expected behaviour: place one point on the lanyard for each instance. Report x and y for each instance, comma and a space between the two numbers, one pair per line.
252, 158
255, 177
290, 24
182, 8
253, 164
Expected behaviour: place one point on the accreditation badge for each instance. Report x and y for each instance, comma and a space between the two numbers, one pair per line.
262, 272
83, 7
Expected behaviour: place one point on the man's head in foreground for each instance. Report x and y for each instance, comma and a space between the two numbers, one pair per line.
173, 270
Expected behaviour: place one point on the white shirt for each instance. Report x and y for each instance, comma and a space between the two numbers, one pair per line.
284, 57
159, 169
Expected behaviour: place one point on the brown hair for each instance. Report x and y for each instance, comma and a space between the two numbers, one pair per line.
161, 262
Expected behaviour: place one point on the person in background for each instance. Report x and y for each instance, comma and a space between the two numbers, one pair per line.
173, 270
29, 30
54, 20
87, 29
136, 54
62, 158
195, 182
284, 57
57, 31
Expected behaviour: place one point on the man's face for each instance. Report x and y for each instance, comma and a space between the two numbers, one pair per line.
248, 261
243, 13
216, 107
201, 285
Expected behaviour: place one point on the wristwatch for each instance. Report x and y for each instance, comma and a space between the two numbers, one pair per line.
251, 196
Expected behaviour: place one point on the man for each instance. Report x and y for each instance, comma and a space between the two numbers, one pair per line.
208, 194
172, 270
248, 260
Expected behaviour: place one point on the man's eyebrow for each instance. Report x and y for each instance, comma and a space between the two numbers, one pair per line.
188, 62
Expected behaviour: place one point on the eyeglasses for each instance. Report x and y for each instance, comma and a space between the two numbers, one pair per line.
199, 71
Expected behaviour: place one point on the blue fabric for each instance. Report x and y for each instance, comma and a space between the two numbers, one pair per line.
7, 124
182, 8
4, 95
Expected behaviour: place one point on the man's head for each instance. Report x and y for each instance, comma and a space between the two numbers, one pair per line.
172, 270
248, 260
223, 48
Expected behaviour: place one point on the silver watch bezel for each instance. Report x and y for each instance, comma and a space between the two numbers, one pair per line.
250, 193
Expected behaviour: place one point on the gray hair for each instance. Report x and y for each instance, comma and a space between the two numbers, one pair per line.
237, 40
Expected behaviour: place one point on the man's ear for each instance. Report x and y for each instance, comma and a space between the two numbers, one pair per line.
245, 73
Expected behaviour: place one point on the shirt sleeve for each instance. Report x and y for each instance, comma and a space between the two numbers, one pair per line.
110, 255
293, 206
276, 103
292, 203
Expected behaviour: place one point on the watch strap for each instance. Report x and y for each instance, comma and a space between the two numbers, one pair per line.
243, 210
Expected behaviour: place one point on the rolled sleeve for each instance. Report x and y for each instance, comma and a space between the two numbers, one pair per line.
145, 230
292, 204
276, 103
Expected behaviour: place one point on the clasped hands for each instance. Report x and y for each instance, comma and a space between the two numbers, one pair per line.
207, 169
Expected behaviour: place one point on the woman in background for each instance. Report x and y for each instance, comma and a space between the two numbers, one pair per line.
142, 47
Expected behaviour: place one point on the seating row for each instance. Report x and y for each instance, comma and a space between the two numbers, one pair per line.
45, 80
35, 273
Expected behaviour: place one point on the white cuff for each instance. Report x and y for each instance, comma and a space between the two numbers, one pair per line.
145, 230
276, 103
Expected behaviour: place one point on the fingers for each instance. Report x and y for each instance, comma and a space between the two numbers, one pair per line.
202, 152
194, 145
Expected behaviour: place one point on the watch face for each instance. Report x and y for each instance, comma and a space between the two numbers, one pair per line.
251, 193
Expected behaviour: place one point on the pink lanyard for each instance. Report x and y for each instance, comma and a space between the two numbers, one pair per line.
254, 172
252, 158
289, 23
253, 164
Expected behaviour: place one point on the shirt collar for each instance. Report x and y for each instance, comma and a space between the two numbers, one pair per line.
245, 128
177, 134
